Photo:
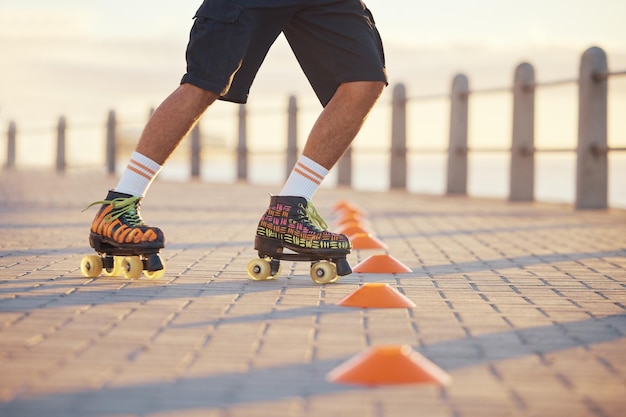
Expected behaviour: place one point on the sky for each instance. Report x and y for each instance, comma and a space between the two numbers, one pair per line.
121, 48
82, 58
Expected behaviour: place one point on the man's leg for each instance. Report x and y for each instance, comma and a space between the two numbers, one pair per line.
334, 130
117, 228
341, 120
173, 120
291, 221
169, 124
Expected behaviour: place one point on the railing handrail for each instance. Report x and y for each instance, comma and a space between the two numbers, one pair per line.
507, 89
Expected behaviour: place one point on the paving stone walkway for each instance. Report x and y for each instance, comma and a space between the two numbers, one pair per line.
523, 304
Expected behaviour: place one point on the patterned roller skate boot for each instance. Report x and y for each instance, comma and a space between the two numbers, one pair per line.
125, 244
291, 229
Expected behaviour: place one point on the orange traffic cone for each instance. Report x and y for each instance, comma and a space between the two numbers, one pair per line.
350, 229
347, 207
376, 295
350, 218
366, 241
389, 365
382, 264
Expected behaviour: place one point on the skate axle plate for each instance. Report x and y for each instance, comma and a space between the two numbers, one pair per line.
324, 270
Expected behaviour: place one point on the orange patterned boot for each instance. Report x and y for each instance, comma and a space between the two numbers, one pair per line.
119, 231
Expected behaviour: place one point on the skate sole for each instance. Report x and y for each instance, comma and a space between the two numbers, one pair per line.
101, 245
275, 248
129, 262
326, 265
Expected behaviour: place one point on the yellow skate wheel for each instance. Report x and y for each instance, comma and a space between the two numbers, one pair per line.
117, 267
154, 274
91, 266
132, 267
323, 272
259, 270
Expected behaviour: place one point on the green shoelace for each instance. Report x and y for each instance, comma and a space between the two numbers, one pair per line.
121, 206
314, 217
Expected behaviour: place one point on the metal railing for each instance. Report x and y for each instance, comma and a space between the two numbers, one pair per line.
591, 152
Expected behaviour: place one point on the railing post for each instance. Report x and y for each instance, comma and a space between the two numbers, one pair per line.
344, 169
11, 146
196, 151
242, 144
111, 143
522, 170
592, 152
457, 151
398, 138
292, 134
61, 129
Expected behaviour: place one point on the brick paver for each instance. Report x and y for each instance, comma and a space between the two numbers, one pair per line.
523, 304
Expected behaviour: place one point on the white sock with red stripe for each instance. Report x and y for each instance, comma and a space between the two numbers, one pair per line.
138, 175
305, 179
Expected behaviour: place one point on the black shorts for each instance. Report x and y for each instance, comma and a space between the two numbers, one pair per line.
335, 41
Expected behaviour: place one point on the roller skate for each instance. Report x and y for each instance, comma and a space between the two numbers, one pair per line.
292, 230
125, 245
